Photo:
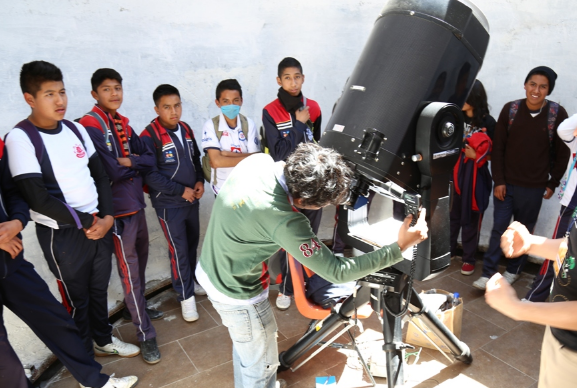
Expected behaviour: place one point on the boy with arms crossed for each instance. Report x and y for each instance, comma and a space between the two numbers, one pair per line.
126, 159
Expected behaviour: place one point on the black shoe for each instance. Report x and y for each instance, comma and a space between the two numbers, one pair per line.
149, 351
152, 314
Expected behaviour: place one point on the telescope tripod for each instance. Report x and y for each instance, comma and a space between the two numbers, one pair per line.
378, 295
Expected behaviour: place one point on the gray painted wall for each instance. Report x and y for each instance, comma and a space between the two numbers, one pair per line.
195, 44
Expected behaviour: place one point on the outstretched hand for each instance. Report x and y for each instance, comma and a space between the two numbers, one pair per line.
501, 296
412, 235
516, 240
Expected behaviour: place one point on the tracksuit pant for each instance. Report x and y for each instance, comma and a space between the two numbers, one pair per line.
130, 237
181, 228
541, 287
82, 269
27, 295
469, 232
521, 203
286, 286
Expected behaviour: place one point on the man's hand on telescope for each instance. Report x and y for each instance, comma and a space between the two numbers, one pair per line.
499, 192
411, 235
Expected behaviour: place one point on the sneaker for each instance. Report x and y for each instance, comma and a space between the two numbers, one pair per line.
481, 283
467, 269
198, 290
150, 352
510, 277
189, 313
152, 314
116, 347
283, 302
119, 382
280, 383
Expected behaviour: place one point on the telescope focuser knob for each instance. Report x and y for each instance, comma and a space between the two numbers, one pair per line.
417, 158
448, 129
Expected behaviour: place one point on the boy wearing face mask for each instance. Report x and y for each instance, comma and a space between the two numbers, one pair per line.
229, 137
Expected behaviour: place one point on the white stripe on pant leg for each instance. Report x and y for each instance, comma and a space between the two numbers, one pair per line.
175, 256
285, 275
131, 286
60, 273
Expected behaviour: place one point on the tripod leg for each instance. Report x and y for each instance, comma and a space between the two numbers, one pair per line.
458, 348
392, 333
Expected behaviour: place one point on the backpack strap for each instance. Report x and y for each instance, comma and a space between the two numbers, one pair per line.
32, 132
513, 109
244, 126
551, 119
74, 129
103, 126
216, 123
187, 129
154, 133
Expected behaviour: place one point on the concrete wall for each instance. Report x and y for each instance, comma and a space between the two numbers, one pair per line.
195, 44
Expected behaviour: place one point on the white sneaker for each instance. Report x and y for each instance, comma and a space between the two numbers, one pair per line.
189, 313
198, 290
283, 302
510, 277
117, 347
119, 382
481, 283
280, 383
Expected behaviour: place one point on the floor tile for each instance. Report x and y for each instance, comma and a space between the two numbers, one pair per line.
221, 376
482, 309
210, 348
520, 348
485, 370
172, 326
477, 331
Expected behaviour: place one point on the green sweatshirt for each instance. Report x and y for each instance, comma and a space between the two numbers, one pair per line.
252, 218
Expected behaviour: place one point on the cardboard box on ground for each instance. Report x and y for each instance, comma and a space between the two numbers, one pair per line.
452, 318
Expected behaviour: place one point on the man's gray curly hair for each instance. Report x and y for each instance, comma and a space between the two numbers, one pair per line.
319, 176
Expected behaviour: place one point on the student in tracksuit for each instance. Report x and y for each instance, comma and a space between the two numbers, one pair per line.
126, 159
58, 172
289, 120
175, 185
24, 292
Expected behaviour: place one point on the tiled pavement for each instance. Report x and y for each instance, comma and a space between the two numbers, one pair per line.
505, 352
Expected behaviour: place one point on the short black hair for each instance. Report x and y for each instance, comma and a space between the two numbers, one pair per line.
288, 62
101, 75
228, 84
318, 176
164, 90
34, 73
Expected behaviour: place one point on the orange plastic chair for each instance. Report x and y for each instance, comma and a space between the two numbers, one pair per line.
307, 308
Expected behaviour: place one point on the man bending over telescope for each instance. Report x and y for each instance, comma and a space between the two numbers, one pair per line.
253, 216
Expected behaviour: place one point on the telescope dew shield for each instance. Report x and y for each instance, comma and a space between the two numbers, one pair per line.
418, 53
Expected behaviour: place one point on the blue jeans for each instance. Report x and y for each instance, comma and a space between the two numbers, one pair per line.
253, 331
521, 203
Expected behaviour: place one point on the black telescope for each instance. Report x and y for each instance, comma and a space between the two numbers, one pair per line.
399, 125
399, 119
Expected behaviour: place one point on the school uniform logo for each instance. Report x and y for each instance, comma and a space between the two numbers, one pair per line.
241, 136
236, 149
79, 151
169, 156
